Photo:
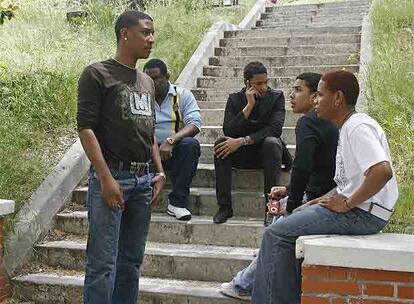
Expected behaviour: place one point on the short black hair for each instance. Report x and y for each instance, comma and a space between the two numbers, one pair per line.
253, 68
343, 81
156, 63
311, 80
128, 19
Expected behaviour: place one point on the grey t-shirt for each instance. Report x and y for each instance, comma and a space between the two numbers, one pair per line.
117, 103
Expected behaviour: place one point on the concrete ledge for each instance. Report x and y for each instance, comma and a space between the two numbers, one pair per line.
382, 251
6, 207
253, 15
35, 217
194, 67
365, 59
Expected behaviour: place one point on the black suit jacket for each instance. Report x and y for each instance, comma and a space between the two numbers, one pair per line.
266, 119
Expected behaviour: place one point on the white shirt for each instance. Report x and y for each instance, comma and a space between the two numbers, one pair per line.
362, 144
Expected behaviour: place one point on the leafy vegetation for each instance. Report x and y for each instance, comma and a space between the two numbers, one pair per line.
391, 96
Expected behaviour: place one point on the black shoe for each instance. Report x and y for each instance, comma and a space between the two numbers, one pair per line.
223, 214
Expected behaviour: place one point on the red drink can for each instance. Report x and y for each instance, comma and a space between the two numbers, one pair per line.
273, 207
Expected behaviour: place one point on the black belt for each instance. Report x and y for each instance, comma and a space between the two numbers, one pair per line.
136, 168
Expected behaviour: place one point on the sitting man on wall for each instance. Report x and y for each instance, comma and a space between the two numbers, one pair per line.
178, 120
361, 204
253, 122
312, 173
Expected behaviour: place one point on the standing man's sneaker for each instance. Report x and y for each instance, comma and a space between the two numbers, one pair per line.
223, 214
228, 290
181, 214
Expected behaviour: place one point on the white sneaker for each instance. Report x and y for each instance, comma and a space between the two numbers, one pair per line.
181, 214
228, 290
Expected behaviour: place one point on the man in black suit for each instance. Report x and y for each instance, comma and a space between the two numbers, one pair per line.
253, 122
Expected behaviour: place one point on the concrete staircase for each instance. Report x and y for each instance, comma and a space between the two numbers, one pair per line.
186, 262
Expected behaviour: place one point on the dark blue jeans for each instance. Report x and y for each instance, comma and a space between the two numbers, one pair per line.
116, 240
278, 278
182, 167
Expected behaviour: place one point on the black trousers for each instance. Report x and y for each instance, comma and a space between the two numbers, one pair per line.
266, 155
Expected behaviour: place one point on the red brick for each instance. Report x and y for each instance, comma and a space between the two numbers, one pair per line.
380, 275
339, 301
314, 300
338, 273
373, 301
405, 292
383, 290
345, 288
315, 271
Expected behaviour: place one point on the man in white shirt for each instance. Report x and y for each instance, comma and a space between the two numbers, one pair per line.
361, 203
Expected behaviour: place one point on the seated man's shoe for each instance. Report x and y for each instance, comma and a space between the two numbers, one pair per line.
229, 290
179, 213
223, 214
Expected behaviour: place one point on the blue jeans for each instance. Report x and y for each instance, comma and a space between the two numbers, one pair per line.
116, 240
278, 278
182, 166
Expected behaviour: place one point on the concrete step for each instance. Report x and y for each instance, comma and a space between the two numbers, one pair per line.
219, 71
298, 25
215, 117
60, 288
263, 33
340, 5
211, 105
214, 95
203, 202
305, 60
291, 40
166, 229
341, 12
209, 134
261, 51
310, 15
270, 25
162, 260
207, 153
237, 82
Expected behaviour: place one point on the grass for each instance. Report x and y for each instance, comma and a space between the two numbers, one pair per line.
41, 57
391, 96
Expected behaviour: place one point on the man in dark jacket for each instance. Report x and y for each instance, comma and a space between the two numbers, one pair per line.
253, 122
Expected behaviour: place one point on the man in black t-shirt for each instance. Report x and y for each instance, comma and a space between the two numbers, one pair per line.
252, 126
116, 127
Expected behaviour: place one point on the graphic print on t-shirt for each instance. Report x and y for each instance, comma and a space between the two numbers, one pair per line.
136, 106
140, 104
340, 177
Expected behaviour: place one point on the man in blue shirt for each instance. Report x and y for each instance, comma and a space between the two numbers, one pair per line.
178, 120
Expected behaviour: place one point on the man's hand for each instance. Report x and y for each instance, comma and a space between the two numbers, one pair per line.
112, 193
165, 151
227, 147
251, 94
278, 192
158, 184
335, 203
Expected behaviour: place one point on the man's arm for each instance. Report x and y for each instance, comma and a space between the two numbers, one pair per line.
234, 119
191, 116
303, 164
159, 178
275, 124
88, 115
376, 178
111, 190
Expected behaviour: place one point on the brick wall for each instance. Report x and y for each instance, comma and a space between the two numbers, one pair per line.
338, 285
5, 290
